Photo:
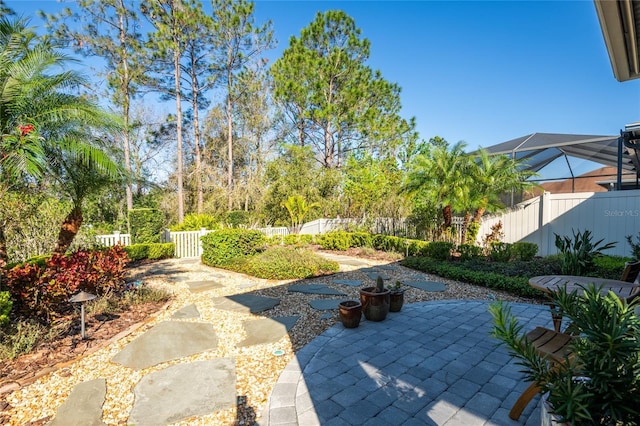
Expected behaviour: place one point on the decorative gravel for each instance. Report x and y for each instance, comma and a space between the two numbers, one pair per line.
257, 367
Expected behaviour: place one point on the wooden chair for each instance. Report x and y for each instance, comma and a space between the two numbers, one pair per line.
550, 345
631, 272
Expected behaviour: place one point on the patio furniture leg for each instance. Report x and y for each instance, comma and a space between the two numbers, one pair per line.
523, 401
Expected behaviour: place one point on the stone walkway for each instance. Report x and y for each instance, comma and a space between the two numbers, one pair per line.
433, 363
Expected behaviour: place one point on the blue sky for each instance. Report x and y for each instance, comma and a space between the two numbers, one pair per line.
479, 71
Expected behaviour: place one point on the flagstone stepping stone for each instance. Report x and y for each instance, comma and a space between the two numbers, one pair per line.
388, 267
166, 341
426, 285
324, 304
352, 283
83, 406
374, 276
245, 303
184, 390
267, 330
326, 316
370, 269
189, 311
314, 289
200, 286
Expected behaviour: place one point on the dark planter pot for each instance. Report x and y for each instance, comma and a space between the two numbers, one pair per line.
375, 306
396, 300
350, 313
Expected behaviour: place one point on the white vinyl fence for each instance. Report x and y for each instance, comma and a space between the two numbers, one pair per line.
113, 239
608, 215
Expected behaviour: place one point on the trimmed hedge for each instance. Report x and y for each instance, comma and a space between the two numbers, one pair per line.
150, 251
146, 225
281, 263
518, 285
222, 247
5, 307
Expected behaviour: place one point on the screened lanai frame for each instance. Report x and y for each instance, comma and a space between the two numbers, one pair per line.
538, 150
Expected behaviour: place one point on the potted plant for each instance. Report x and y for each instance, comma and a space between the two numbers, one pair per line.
600, 383
375, 301
396, 297
350, 313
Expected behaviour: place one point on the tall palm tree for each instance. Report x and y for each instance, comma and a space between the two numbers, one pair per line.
492, 176
440, 174
40, 117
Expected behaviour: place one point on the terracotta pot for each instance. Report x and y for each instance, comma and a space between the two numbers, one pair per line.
396, 301
350, 313
375, 306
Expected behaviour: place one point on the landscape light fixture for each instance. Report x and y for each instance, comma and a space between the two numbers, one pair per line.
81, 298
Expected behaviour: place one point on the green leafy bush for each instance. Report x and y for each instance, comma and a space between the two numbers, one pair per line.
237, 218
146, 225
221, 247
161, 251
523, 250
388, 243
5, 307
361, 239
195, 222
469, 251
466, 272
439, 250
417, 247
137, 251
610, 267
577, 254
335, 240
500, 252
281, 263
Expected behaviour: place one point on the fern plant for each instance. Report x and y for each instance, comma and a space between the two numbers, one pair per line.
577, 254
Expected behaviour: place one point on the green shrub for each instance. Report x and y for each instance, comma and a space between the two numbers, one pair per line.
335, 240
361, 239
291, 239
418, 247
5, 307
577, 254
137, 251
146, 225
237, 218
21, 339
523, 250
388, 243
472, 233
221, 247
161, 251
306, 238
461, 271
610, 267
281, 263
500, 252
469, 251
439, 250
195, 222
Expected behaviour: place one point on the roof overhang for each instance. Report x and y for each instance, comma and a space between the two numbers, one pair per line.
620, 23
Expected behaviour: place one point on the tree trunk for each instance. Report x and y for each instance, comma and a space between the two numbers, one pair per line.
465, 227
447, 216
4, 256
179, 172
69, 230
126, 101
198, 151
477, 217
